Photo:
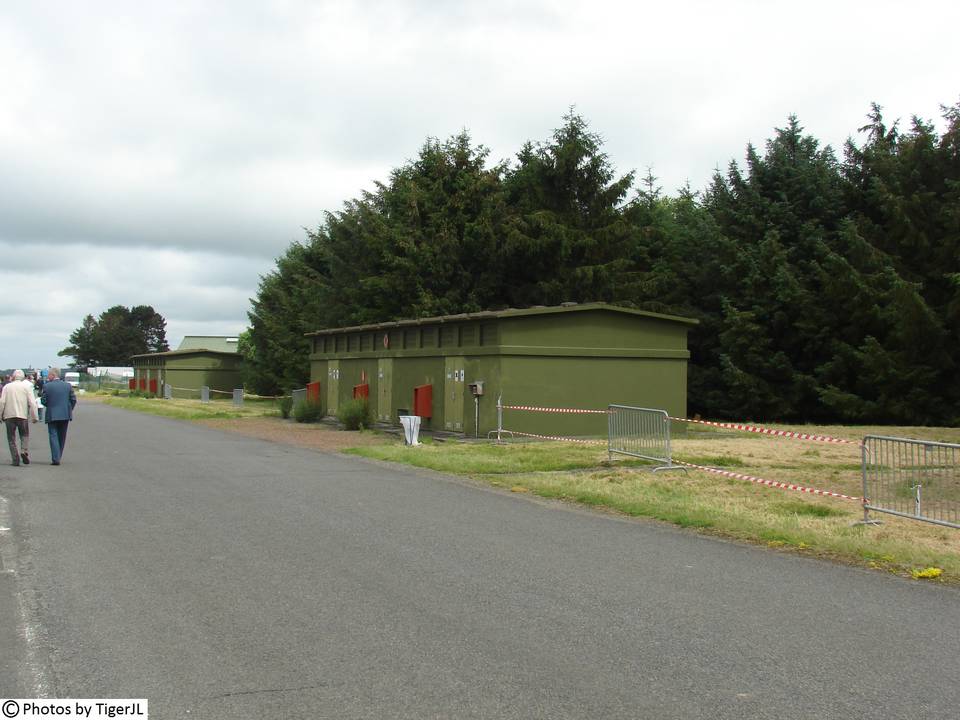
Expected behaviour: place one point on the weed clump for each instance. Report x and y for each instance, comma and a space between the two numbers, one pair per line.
308, 411
355, 414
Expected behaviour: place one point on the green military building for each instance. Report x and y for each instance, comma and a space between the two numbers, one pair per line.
201, 360
450, 370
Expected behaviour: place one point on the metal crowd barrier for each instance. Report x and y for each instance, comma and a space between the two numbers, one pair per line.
912, 478
642, 433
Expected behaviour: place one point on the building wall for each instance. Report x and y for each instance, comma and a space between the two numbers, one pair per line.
488, 369
585, 359
595, 329
190, 372
588, 383
410, 372
148, 369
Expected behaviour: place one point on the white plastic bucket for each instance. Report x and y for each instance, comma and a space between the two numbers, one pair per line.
411, 428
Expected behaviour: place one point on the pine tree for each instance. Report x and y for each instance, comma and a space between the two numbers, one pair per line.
567, 239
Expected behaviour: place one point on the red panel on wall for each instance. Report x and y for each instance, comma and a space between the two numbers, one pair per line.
361, 391
313, 392
423, 401
153, 386
143, 383
133, 384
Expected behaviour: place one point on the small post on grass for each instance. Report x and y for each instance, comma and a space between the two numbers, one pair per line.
499, 431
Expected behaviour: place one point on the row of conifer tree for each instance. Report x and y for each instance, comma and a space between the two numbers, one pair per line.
827, 288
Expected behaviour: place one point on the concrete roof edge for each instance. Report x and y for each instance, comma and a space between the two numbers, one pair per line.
509, 312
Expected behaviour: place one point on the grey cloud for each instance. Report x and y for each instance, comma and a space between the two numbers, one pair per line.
187, 144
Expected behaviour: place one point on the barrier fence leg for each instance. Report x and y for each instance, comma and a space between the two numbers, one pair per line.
609, 434
867, 520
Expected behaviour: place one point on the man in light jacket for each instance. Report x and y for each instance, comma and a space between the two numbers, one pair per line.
58, 398
17, 406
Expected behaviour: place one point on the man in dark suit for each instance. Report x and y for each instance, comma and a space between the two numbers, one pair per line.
58, 399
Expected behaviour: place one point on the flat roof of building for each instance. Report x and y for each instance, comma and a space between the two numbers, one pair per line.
187, 351
509, 313
217, 343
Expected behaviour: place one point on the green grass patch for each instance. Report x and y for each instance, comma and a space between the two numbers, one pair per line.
716, 461
490, 458
807, 509
194, 409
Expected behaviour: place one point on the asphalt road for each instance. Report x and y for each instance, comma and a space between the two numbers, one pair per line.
224, 577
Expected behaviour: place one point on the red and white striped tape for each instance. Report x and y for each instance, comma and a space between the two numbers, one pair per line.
553, 437
769, 431
553, 410
770, 483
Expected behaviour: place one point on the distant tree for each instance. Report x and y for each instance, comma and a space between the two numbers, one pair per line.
821, 324
904, 191
82, 343
825, 290
116, 335
567, 238
151, 327
290, 302
425, 243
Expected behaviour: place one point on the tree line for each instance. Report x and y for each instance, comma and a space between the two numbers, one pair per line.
827, 288
116, 335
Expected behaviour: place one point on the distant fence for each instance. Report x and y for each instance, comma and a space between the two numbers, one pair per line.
103, 383
915, 479
640, 432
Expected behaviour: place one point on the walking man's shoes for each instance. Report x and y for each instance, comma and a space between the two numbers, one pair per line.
25, 458
16, 463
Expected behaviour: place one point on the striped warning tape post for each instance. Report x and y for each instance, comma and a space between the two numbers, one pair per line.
769, 431
553, 410
770, 483
554, 437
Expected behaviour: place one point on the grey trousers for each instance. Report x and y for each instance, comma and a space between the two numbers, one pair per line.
13, 426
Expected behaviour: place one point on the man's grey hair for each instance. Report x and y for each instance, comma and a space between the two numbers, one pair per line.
53, 373
18, 374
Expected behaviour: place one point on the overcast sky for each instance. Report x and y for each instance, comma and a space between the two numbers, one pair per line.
167, 153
